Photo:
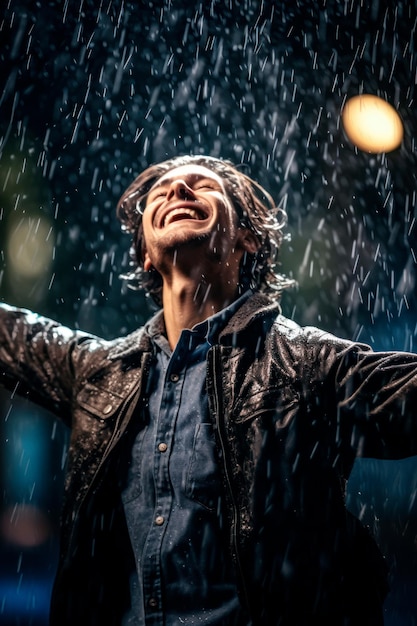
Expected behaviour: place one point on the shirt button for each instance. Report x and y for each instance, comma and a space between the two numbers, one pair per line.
174, 378
162, 447
153, 602
159, 520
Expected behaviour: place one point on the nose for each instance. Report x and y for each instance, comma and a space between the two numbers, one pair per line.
179, 189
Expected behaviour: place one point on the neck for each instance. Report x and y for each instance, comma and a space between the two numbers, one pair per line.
188, 302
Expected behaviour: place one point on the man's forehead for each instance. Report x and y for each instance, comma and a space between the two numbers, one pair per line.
189, 171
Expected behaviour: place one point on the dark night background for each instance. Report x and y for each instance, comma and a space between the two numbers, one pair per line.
91, 93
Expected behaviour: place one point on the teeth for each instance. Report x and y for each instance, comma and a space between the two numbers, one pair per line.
194, 215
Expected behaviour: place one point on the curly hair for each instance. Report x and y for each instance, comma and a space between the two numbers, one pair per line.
254, 206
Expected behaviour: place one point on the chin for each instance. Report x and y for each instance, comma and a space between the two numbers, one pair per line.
186, 238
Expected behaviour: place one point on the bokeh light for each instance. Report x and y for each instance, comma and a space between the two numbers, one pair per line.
372, 124
25, 525
29, 246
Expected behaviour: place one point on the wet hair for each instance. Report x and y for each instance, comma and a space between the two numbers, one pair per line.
254, 206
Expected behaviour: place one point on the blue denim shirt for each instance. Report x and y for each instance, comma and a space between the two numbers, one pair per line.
173, 499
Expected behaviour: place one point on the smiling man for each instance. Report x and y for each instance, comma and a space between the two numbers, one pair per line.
210, 449
193, 239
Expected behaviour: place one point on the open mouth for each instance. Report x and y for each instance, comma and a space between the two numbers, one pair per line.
183, 212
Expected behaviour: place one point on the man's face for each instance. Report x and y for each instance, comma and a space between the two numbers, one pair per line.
189, 209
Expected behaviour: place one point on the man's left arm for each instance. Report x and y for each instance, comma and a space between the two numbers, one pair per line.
376, 397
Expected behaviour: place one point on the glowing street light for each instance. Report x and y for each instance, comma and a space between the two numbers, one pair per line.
372, 124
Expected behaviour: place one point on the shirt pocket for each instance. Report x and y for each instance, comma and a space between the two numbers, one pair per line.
203, 479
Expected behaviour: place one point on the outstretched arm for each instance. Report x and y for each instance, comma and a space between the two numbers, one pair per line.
376, 397
36, 358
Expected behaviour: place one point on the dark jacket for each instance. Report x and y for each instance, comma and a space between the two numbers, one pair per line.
292, 409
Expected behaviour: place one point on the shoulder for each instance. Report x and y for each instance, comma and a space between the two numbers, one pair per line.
310, 334
287, 331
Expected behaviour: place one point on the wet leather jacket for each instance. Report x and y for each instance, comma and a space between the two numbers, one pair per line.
292, 409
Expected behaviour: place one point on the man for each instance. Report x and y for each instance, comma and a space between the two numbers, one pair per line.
210, 449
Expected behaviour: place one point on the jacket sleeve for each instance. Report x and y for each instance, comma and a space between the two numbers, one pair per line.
38, 357
373, 396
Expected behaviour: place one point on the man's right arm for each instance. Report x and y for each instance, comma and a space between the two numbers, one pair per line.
36, 358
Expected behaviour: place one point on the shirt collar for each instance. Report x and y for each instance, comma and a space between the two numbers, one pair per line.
213, 325
208, 329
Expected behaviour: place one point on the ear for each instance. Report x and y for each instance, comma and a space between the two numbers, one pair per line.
147, 263
248, 241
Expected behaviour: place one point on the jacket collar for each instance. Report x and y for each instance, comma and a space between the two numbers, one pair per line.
134, 343
256, 306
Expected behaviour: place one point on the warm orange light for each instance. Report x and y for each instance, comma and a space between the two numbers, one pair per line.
372, 124
25, 525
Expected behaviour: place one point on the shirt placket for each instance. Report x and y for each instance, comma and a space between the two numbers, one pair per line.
152, 574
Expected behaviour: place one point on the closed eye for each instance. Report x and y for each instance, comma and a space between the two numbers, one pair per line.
156, 196
205, 188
